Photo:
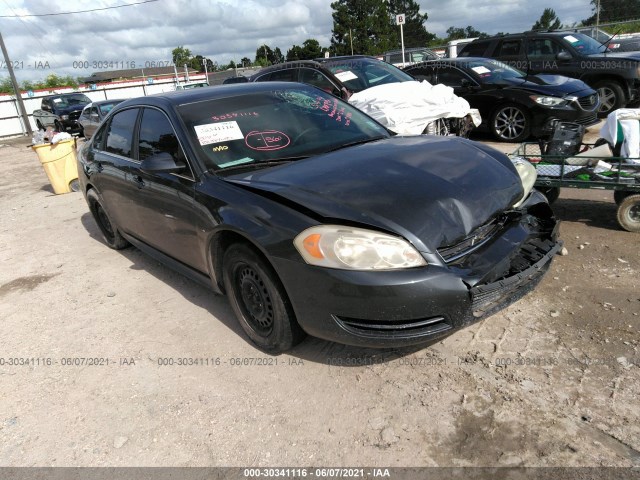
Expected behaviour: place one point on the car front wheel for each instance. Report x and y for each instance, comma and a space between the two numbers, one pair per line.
510, 123
611, 97
259, 301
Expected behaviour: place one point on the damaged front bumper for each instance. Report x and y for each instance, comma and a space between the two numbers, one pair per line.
484, 273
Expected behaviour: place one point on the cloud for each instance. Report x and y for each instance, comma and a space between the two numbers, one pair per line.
222, 30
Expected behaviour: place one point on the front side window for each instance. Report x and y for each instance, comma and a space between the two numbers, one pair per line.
120, 133
451, 77
281, 124
157, 136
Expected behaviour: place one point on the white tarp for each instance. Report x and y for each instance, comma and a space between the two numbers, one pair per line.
627, 119
407, 108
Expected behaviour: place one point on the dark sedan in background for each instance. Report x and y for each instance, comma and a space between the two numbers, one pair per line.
312, 218
513, 105
340, 76
93, 114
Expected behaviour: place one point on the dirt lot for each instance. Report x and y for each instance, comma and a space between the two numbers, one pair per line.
551, 381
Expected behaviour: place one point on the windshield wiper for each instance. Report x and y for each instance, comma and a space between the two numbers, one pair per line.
357, 142
261, 163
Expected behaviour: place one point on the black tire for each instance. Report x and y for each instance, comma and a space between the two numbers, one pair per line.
259, 300
629, 213
58, 126
109, 230
552, 193
39, 125
510, 123
620, 195
611, 96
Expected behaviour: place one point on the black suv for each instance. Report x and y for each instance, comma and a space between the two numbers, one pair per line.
614, 75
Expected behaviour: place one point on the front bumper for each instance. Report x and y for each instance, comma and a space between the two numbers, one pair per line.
414, 306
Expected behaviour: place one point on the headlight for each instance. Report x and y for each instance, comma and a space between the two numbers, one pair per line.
548, 101
64, 117
349, 248
528, 176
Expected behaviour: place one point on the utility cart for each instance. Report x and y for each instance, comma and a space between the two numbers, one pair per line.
588, 168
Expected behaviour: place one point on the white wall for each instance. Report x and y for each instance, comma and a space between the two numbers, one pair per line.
11, 123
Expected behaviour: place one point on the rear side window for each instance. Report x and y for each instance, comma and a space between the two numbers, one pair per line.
288, 75
423, 73
157, 135
474, 49
120, 133
508, 48
317, 79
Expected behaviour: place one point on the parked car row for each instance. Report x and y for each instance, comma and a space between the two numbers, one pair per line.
615, 76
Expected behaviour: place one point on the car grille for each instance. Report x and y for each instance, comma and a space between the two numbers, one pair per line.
587, 120
75, 115
527, 266
589, 103
397, 329
472, 242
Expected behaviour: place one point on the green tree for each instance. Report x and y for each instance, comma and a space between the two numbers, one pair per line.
415, 33
311, 49
246, 62
295, 53
614, 11
548, 21
180, 56
456, 33
267, 56
368, 22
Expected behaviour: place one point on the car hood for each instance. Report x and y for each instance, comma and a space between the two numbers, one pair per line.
433, 191
554, 85
69, 109
635, 56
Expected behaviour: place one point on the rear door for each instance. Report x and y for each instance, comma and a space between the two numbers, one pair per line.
169, 218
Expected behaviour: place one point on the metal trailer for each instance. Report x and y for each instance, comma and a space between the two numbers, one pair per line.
556, 172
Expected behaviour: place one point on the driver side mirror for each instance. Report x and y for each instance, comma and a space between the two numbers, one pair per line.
564, 56
161, 162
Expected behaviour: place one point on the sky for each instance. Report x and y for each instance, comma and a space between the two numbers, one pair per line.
141, 35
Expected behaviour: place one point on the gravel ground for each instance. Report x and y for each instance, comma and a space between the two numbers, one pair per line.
551, 381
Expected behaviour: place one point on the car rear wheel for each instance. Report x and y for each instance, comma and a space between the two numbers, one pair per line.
259, 300
109, 230
510, 123
611, 97
629, 213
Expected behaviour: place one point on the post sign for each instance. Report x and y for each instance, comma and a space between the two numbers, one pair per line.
400, 19
150, 80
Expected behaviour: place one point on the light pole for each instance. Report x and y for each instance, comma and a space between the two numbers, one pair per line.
351, 41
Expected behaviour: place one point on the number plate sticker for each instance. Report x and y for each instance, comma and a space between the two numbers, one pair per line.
218, 132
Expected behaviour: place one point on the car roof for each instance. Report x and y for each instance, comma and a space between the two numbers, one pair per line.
183, 97
450, 61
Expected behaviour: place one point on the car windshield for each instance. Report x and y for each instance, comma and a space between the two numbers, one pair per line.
491, 71
282, 124
107, 107
585, 44
69, 100
359, 74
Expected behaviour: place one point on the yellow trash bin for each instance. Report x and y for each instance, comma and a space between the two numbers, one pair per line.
60, 164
